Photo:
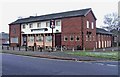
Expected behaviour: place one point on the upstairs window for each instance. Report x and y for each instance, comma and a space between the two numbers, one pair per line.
47, 24
57, 22
30, 25
38, 24
87, 24
92, 24
23, 26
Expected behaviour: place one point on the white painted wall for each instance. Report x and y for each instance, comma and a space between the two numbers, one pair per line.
27, 30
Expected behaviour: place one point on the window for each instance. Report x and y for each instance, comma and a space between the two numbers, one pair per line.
47, 24
87, 24
93, 38
96, 44
90, 38
48, 38
23, 26
30, 25
14, 40
86, 37
39, 24
58, 23
39, 38
65, 38
71, 38
77, 38
92, 24
31, 39
99, 44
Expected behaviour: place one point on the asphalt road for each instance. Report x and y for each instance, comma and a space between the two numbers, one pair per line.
23, 65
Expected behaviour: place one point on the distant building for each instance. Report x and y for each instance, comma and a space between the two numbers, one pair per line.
72, 29
4, 38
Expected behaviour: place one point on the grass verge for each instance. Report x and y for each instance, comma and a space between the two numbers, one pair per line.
106, 55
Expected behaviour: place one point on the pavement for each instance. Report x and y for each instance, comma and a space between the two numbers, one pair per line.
58, 55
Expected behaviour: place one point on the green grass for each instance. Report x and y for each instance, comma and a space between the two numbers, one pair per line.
107, 55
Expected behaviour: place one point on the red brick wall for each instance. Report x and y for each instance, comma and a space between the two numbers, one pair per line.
15, 31
89, 44
103, 37
73, 26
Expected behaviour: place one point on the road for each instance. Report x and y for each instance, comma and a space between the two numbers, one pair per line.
24, 65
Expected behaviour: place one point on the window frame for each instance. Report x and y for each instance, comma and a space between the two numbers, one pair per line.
23, 26
58, 22
30, 25
88, 26
47, 23
71, 38
77, 37
38, 24
92, 25
65, 38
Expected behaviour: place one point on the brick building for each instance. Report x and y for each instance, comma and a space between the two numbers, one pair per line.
72, 29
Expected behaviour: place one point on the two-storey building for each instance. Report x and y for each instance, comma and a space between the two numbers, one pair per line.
72, 29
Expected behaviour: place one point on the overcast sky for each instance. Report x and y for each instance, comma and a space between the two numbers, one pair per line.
10, 10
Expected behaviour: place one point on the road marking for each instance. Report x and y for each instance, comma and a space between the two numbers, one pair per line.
111, 65
100, 63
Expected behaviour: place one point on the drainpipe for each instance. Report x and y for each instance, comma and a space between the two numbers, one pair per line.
82, 33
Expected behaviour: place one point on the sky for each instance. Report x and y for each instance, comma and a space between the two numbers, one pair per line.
10, 10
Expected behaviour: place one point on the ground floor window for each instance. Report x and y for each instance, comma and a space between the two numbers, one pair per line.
14, 39
77, 38
30, 38
65, 38
39, 38
71, 38
48, 38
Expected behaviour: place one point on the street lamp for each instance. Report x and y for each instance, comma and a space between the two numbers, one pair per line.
52, 26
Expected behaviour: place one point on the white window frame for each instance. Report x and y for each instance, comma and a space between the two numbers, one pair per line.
65, 38
71, 37
77, 37
87, 24
30, 25
86, 37
38, 24
23, 26
92, 25
57, 23
47, 23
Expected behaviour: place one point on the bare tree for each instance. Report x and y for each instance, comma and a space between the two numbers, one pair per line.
111, 21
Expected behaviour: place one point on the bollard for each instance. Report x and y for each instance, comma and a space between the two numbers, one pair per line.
19, 48
61, 49
73, 49
25, 48
33, 48
7, 47
2, 47
13, 48
40, 49
94, 49
103, 49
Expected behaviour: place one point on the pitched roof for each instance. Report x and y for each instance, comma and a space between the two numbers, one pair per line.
82, 12
102, 31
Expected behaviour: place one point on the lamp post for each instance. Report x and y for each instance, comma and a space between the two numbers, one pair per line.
52, 26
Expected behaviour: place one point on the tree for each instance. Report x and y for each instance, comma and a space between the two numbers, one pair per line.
111, 20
